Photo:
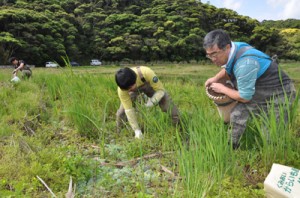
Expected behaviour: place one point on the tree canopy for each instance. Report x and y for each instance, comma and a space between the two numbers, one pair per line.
116, 30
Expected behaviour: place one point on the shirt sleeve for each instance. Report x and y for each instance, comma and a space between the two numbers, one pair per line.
125, 98
246, 71
132, 119
129, 110
155, 83
152, 78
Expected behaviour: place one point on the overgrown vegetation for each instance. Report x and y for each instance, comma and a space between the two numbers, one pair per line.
61, 124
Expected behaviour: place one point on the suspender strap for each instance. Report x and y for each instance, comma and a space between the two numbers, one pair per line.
140, 74
242, 51
239, 53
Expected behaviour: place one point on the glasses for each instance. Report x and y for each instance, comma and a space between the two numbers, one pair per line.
213, 55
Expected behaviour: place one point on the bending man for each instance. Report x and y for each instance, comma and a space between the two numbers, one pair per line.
20, 65
257, 79
134, 81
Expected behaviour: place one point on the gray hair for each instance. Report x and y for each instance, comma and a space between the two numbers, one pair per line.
216, 37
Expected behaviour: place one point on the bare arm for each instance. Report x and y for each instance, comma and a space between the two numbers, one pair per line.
18, 68
219, 75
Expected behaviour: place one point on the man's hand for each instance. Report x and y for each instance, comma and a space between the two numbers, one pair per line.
210, 81
218, 88
15, 73
149, 103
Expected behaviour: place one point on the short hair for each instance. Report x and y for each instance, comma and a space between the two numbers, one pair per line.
125, 78
216, 37
11, 59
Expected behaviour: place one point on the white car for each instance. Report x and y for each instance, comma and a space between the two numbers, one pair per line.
95, 62
51, 64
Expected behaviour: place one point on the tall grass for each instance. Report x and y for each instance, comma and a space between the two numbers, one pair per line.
61, 123
276, 135
207, 158
202, 150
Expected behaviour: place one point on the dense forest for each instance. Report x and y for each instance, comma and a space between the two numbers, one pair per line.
130, 30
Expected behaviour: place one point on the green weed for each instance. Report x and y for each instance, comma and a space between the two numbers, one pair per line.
61, 123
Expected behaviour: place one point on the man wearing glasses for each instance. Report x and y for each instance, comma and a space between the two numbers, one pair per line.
256, 77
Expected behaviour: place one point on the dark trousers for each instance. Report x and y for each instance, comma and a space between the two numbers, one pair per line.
26, 74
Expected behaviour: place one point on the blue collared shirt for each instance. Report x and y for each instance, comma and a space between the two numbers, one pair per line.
247, 69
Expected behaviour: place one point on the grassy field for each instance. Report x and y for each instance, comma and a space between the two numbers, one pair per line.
60, 124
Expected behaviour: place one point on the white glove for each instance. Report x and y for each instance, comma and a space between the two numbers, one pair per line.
138, 134
149, 103
132, 119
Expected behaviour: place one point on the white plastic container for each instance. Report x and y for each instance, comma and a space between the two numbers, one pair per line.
282, 181
15, 79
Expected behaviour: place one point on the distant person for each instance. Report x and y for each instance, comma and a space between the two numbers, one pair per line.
137, 80
256, 77
21, 66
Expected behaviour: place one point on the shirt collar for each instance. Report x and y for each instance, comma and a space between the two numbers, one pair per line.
232, 49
